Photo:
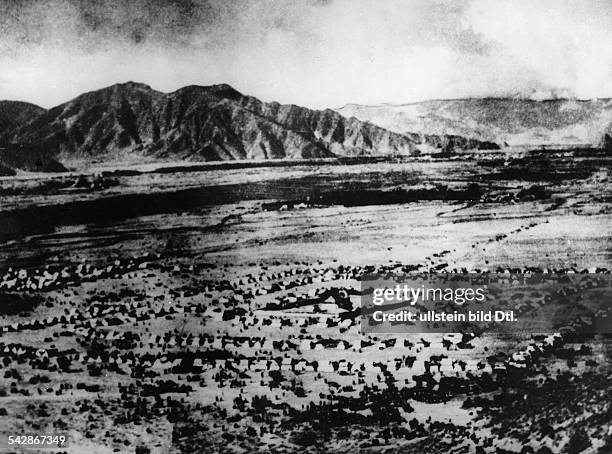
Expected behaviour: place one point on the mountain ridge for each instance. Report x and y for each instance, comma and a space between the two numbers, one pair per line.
474, 98
512, 121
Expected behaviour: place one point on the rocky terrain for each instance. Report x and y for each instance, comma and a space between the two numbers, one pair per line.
514, 122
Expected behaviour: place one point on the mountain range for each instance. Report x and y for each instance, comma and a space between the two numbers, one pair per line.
506, 121
131, 122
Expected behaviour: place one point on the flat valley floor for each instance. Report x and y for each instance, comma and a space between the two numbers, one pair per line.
208, 308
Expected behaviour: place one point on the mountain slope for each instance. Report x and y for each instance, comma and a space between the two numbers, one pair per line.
28, 158
207, 123
15, 113
514, 121
14, 157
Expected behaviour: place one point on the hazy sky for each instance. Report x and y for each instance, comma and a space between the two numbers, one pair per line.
317, 53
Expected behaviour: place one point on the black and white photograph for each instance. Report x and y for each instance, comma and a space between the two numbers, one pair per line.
306, 226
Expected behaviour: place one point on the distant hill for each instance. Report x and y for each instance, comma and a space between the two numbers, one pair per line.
501, 120
207, 123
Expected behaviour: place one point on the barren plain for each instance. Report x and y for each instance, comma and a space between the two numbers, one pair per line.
205, 308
